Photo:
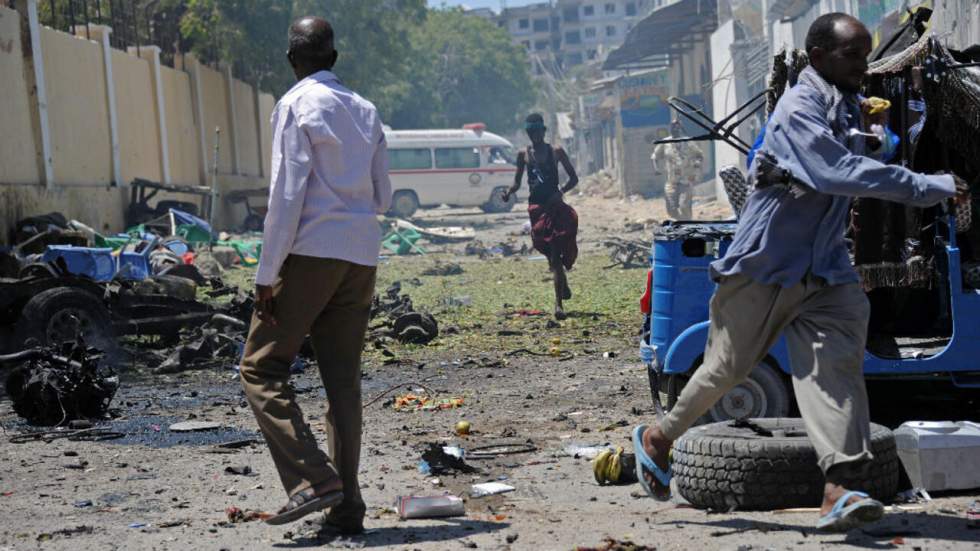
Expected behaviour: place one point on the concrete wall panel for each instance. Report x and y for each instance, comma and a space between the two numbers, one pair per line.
137, 118
266, 104
181, 131
78, 110
215, 96
248, 133
18, 152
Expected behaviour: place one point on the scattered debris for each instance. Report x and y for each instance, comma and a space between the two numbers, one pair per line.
490, 488
504, 249
443, 269
410, 507
628, 253
236, 515
194, 426
462, 428
611, 544
438, 459
240, 470
52, 386
973, 515
425, 403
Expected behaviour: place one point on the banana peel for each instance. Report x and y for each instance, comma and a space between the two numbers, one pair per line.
614, 467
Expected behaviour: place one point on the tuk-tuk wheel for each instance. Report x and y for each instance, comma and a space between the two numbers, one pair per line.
64, 314
764, 394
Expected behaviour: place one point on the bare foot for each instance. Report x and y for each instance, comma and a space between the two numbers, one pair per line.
831, 493
560, 313
657, 446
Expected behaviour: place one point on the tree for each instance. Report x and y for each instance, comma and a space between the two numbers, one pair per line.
463, 69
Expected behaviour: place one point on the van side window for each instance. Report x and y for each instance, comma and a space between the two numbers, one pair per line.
458, 157
409, 159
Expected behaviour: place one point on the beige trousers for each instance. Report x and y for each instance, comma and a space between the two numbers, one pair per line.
331, 301
826, 329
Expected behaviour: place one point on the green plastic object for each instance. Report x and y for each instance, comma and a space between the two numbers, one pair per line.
402, 242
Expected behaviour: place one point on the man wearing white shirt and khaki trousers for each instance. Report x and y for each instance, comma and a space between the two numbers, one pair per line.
316, 276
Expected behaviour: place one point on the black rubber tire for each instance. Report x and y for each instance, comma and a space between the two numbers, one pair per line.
724, 467
765, 379
44, 319
496, 202
404, 203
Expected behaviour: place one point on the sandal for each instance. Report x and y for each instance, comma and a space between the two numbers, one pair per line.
660, 490
303, 503
844, 517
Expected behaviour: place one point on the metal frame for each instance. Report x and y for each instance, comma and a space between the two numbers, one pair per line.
722, 130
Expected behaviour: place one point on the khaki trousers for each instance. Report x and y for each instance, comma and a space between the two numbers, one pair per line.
679, 199
330, 300
826, 328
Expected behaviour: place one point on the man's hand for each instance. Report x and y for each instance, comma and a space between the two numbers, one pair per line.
264, 304
875, 111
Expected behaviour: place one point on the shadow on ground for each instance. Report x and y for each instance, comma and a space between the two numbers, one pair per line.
886, 534
452, 529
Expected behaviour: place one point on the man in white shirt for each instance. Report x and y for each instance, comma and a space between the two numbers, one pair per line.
316, 276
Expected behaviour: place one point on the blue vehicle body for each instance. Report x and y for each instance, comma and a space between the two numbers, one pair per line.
677, 331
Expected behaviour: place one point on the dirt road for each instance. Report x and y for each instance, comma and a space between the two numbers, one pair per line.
156, 489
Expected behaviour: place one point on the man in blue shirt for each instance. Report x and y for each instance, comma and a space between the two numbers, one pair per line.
788, 272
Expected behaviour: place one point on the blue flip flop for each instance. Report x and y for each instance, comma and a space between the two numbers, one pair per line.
645, 462
845, 517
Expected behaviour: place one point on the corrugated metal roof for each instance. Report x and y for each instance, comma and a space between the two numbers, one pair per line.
667, 32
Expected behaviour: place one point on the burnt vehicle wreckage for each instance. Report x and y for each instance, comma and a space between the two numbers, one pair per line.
919, 267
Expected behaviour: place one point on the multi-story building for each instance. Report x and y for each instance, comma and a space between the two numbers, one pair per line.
566, 33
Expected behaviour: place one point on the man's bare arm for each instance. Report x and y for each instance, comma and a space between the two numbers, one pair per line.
518, 176
566, 163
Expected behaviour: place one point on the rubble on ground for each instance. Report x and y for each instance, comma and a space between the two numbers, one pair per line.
53, 386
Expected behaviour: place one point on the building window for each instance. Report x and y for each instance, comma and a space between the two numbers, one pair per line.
573, 37
590, 32
610, 30
575, 58
526, 44
592, 54
541, 45
630, 9
541, 25
588, 11
409, 159
523, 24
570, 15
610, 8
458, 157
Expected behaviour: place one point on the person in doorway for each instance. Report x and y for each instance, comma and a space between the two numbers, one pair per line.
316, 277
554, 224
788, 272
682, 161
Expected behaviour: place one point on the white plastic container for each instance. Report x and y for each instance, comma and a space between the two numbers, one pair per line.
940, 455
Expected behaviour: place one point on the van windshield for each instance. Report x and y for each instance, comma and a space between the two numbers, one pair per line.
502, 155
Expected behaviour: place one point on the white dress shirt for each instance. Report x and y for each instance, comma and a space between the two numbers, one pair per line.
329, 177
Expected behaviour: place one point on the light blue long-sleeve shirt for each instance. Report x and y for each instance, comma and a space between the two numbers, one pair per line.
782, 233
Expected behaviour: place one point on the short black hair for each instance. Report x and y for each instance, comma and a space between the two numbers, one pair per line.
534, 118
823, 33
311, 40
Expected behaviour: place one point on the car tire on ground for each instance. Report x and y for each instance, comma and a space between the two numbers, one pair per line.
766, 393
404, 203
769, 464
62, 315
496, 202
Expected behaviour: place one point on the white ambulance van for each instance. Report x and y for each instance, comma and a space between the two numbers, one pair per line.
469, 167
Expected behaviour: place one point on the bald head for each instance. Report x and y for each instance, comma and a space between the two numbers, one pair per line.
838, 46
311, 46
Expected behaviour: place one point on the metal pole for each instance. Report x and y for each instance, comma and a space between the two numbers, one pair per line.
214, 186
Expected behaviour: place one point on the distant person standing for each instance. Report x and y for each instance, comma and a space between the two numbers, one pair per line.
682, 161
316, 276
554, 224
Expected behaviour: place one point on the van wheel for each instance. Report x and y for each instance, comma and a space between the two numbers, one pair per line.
496, 202
764, 394
404, 204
